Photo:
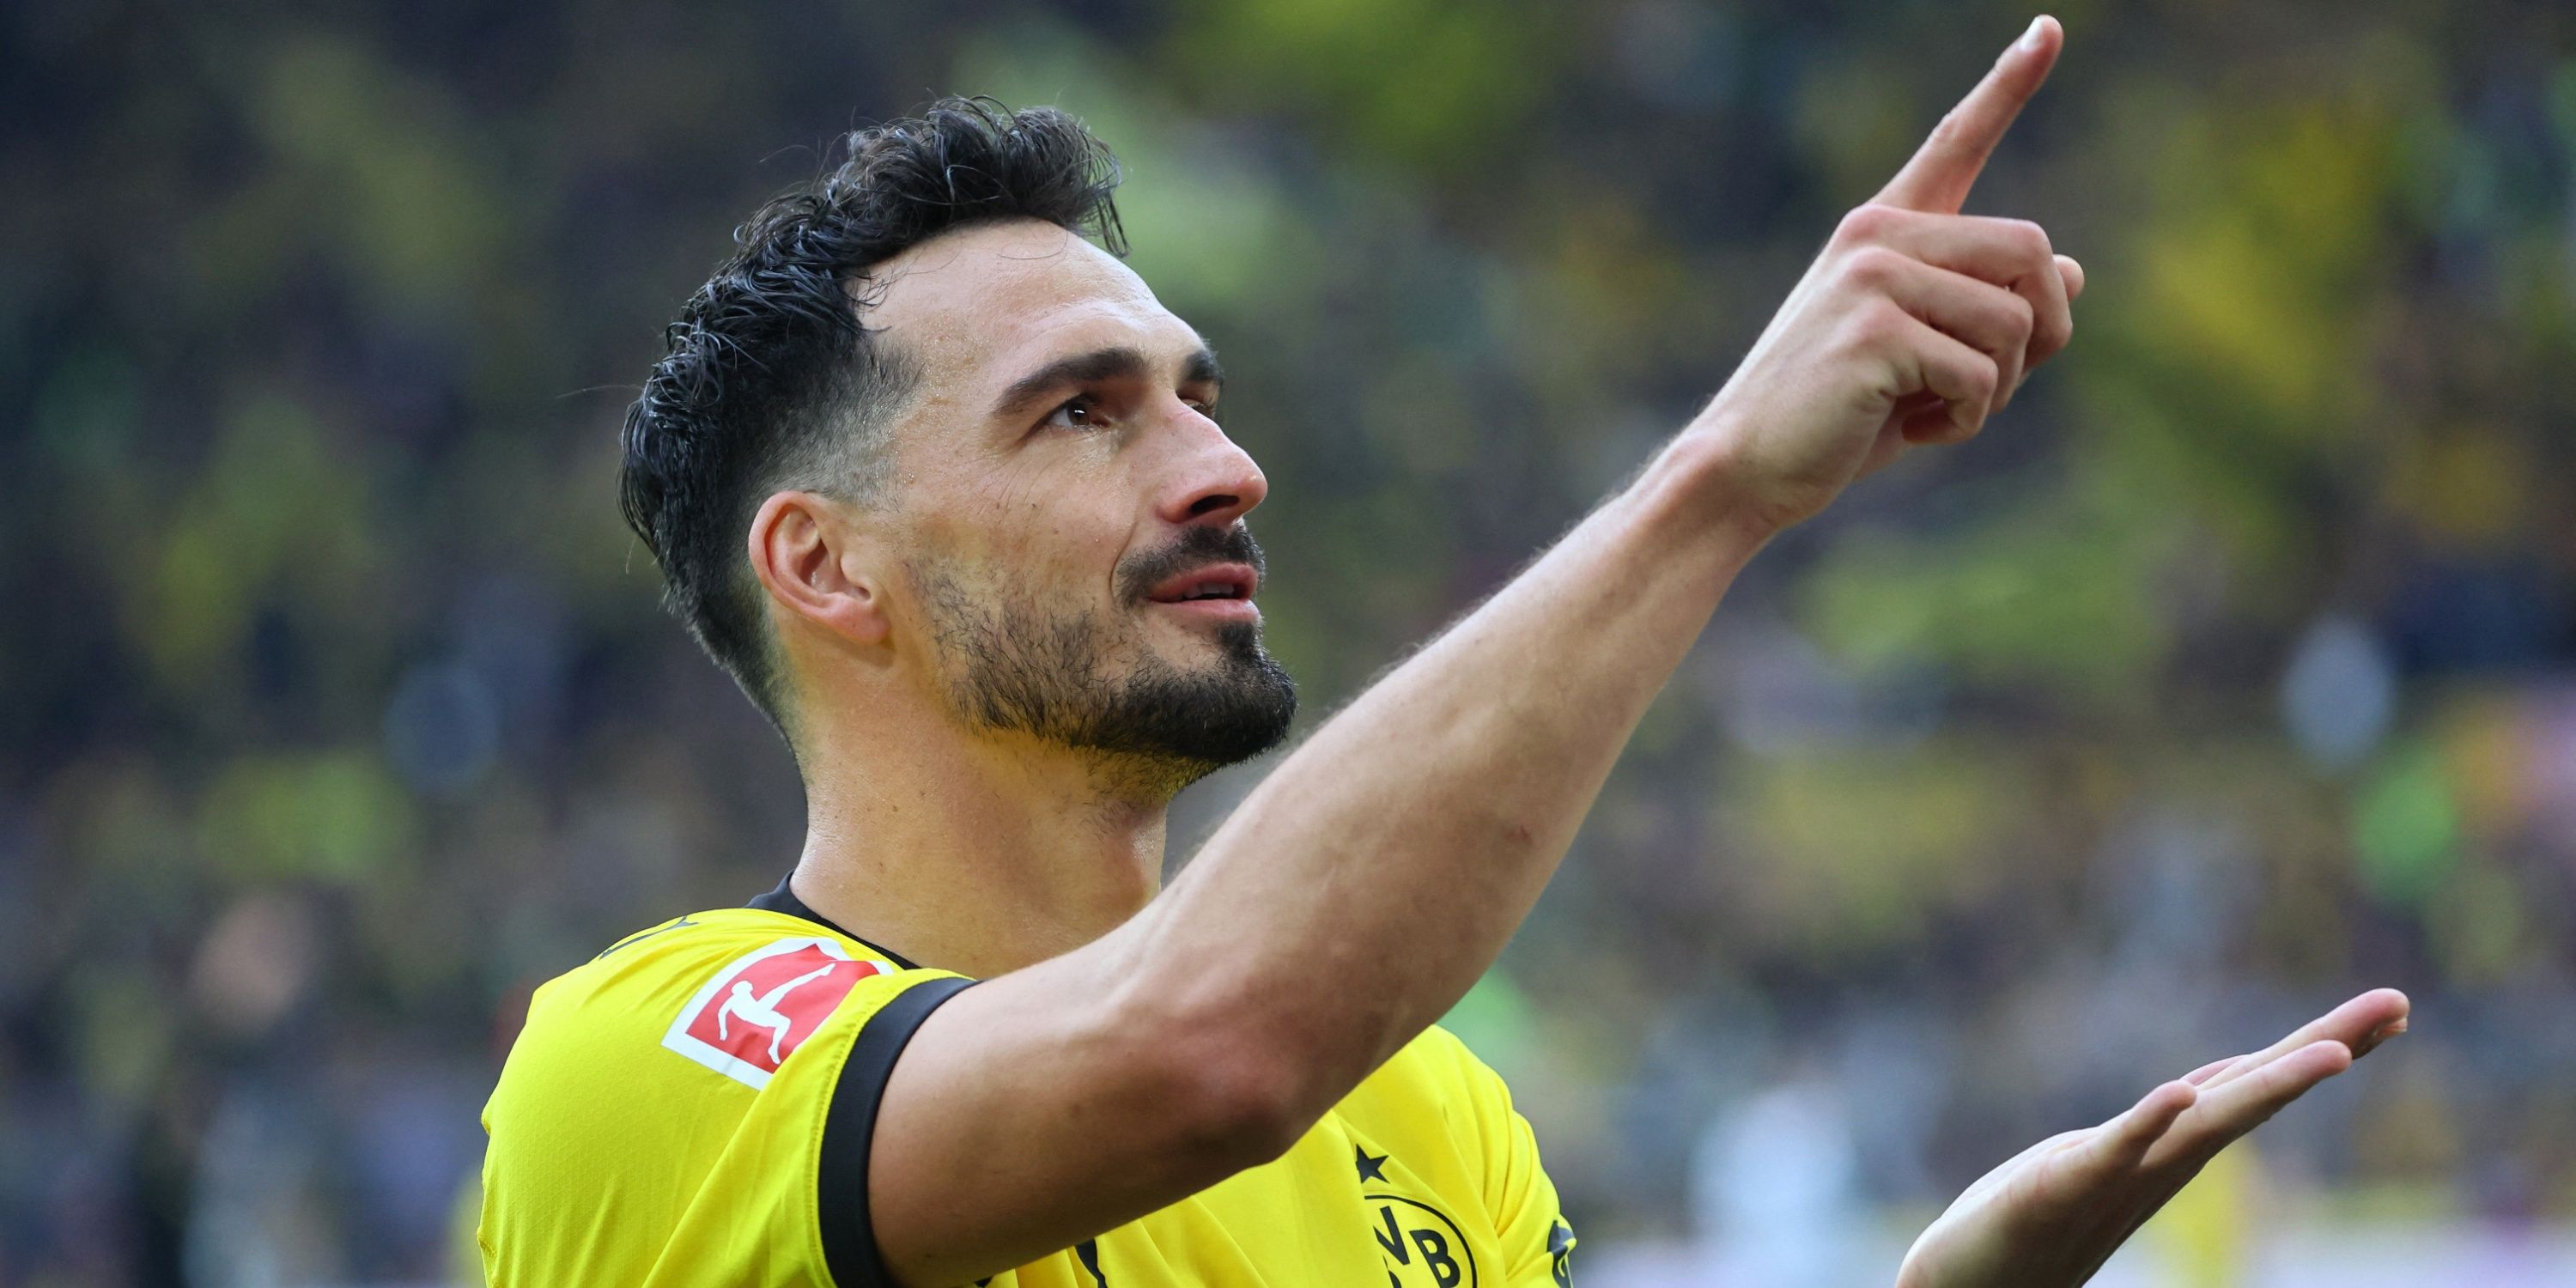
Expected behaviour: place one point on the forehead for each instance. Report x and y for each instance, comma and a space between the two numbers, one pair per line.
982, 305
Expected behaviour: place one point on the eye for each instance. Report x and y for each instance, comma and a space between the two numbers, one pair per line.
1081, 412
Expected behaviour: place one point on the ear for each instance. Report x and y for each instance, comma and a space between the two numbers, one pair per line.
819, 566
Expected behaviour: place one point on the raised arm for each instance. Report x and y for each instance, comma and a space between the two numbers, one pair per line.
1379, 869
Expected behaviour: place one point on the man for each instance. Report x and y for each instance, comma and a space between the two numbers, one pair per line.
938, 482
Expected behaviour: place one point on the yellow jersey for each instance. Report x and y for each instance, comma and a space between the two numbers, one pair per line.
693, 1108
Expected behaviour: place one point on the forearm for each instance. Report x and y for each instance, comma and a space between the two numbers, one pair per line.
1350, 900
1364, 886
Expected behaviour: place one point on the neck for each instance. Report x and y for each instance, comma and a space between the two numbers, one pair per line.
974, 853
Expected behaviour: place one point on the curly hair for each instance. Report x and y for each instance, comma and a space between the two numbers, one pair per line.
770, 379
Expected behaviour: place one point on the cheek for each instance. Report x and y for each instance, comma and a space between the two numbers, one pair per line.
1061, 530
1026, 561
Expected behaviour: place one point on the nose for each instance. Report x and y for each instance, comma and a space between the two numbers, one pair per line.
1213, 481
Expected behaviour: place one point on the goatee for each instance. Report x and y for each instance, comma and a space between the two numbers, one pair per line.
1013, 667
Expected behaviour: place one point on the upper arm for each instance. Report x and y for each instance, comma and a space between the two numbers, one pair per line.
1062, 1109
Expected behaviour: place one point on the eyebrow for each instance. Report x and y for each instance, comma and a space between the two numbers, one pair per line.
1119, 362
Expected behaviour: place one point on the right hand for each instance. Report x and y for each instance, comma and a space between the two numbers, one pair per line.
1913, 326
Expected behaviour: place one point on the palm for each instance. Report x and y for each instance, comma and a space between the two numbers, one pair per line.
2052, 1214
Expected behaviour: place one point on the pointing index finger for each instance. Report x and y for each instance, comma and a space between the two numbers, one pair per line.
1937, 179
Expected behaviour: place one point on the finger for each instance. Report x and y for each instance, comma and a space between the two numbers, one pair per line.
1989, 318
2202, 1074
1937, 179
2072, 273
2052, 320
2012, 253
2126, 1139
2360, 1024
2393, 1028
2225, 1113
1957, 373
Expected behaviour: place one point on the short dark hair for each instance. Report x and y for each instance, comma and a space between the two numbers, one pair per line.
769, 379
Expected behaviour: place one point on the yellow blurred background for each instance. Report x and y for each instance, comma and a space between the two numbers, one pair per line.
2232, 671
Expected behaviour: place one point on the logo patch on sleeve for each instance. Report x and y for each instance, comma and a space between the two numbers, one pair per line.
763, 1005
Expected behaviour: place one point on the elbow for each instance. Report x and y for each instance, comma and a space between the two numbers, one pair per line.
1237, 1068
1221, 1094
1235, 1102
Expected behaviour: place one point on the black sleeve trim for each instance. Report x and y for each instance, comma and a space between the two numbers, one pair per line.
849, 1125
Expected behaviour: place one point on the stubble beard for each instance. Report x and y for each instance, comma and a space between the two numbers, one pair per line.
1010, 665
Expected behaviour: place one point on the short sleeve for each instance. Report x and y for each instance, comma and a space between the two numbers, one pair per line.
849, 1127
1537, 1242
786, 1200
1535, 1238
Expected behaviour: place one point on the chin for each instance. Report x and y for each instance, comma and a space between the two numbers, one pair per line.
1209, 713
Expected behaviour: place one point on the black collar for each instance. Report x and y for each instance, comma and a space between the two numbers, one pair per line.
784, 900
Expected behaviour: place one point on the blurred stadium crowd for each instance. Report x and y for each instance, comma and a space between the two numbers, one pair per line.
2234, 670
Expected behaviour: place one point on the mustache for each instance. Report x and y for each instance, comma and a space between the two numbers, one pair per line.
1138, 574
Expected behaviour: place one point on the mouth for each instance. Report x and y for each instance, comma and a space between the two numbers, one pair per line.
1218, 589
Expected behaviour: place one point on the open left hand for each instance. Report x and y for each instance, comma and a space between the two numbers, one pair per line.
2055, 1212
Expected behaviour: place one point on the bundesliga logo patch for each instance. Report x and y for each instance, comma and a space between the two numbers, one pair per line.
763, 1005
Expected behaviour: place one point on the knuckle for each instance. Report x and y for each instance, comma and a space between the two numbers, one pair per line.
1985, 376
1873, 267
2047, 342
2021, 317
2032, 242
1877, 323
1868, 221
2051, 330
